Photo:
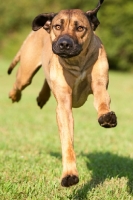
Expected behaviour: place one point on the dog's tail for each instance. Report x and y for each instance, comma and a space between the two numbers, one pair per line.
14, 62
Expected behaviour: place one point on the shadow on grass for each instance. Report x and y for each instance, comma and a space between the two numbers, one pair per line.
56, 154
103, 166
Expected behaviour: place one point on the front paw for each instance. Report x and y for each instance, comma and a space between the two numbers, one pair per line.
69, 180
108, 120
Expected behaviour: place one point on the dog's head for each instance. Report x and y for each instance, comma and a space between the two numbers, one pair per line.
70, 30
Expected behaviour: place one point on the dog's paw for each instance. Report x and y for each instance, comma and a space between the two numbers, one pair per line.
108, 120
42, 100
69, 180
15, 95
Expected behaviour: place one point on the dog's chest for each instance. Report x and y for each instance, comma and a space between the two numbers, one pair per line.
78, 78
81, 89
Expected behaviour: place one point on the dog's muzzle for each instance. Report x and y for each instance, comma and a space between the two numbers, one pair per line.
66, 47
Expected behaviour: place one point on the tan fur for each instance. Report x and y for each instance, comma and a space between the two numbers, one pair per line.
71, 80
30, 58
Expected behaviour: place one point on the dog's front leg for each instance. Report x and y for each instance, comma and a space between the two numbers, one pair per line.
65, 125
106, 118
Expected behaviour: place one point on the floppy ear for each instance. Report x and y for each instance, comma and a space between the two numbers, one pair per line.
92, 15
43, 20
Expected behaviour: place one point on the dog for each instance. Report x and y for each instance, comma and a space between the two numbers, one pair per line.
77, 66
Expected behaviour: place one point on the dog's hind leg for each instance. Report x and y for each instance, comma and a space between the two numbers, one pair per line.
23, 79
44, 94
30, 56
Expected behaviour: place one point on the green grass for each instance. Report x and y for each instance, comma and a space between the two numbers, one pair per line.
30, 153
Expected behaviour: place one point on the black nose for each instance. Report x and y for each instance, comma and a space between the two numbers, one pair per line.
65, 44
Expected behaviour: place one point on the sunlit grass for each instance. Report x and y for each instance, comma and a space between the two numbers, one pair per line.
30, 154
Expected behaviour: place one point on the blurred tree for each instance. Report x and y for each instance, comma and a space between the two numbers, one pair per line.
116, 33
115, 30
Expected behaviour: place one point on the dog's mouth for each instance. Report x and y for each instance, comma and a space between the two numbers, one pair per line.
67, 54
66, 47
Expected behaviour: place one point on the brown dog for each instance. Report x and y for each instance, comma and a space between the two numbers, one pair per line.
77, 67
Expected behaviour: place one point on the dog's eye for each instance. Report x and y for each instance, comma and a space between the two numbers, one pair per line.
57, 27
80, 28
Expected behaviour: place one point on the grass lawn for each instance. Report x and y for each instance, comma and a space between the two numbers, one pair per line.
30, 153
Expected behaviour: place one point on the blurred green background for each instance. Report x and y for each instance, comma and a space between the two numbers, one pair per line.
115, 30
